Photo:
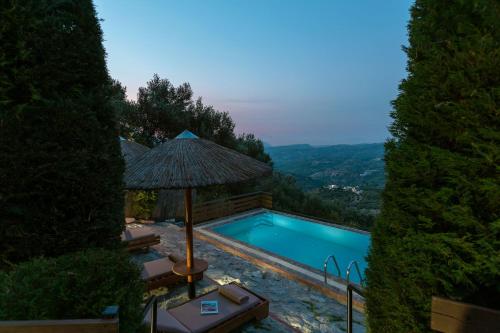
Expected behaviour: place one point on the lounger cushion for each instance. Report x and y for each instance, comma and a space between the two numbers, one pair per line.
189, 313
234, 293
136, 233
165, 322
176, 257
156, 268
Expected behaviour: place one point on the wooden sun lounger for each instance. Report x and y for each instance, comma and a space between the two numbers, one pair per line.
139, 238
158, 273
186, 318
449, 316
108, 323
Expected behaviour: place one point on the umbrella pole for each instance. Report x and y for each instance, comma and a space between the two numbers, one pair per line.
189, 240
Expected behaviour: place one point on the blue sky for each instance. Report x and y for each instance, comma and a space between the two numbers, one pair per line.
308, 71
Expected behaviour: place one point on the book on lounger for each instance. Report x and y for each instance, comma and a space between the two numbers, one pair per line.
209, 307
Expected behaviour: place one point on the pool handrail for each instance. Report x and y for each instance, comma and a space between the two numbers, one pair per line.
348, 272
325, 266
151, 310
350, 289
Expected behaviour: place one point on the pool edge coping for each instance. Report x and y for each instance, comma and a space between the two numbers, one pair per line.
336, 287
227, 219
314, 273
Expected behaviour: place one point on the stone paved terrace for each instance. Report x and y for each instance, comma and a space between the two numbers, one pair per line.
293, 306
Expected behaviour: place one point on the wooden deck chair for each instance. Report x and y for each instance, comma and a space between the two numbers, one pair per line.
449, 316
158, 273
108, 323
237, 306
139, 238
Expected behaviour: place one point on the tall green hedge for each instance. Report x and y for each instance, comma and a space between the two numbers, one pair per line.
61, 167
439, 229
73, 286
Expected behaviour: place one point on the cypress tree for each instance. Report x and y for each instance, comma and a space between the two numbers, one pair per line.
439, 228
61, 169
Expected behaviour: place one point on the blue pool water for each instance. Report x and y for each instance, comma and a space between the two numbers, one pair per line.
304, 241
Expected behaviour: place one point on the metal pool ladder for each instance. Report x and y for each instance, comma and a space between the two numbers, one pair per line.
348, 272
325, 266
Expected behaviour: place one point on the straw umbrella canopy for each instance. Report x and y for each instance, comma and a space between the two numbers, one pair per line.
131, 150
188, 162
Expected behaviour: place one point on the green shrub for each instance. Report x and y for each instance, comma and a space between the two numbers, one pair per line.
439, 228
61, 170
143, 203
77, 285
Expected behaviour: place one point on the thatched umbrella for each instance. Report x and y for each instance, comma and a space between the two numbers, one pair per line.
131, 150
188, 162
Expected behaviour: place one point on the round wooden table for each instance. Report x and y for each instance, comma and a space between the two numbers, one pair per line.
199, 266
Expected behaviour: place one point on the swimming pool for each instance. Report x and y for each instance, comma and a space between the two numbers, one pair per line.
300, 240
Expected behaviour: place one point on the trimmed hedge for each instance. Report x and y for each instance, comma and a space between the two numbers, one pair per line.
61, 169
439, 227
73, 286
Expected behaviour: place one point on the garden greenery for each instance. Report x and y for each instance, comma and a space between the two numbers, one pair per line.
439, 228
74, 286
61, 171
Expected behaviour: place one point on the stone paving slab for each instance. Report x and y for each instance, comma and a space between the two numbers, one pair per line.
293, 306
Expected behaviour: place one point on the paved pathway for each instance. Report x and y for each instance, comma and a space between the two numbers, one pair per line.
293, 306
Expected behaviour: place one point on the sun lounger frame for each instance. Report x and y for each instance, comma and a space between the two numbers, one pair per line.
108, 325
258, 312
142, 243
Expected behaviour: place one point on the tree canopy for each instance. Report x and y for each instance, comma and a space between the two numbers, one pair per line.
162, 111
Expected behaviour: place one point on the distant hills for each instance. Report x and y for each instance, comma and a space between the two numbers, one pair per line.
351, 177
359, 165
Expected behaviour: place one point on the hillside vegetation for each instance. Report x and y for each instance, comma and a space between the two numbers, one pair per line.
350, 177
343, 165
